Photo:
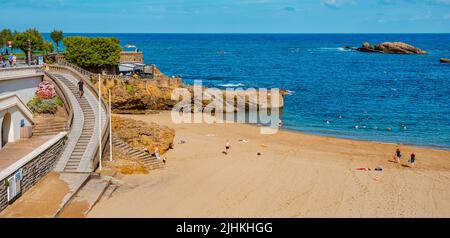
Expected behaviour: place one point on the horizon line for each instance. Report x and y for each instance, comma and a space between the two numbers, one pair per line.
256, 33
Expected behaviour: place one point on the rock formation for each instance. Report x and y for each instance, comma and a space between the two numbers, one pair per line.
445, 60
391, 48
140, 134
134, 95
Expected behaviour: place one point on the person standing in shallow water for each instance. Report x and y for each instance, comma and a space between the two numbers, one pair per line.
81, 88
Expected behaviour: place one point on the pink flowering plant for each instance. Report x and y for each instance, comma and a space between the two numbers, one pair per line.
46, 90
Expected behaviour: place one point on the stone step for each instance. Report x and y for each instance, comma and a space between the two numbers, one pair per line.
48, 130
49, 126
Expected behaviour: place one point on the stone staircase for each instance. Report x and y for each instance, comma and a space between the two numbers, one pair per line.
150, 161
49, 128
84, 135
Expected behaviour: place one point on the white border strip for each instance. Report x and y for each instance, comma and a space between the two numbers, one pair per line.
29, 157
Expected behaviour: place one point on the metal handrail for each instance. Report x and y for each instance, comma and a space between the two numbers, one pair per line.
60, 92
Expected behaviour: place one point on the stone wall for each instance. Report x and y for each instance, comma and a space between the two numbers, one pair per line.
3, 196
34, 170
129, 56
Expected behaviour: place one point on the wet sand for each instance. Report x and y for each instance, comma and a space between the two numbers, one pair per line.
296, 175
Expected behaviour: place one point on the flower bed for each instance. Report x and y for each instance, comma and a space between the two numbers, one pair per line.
46, 101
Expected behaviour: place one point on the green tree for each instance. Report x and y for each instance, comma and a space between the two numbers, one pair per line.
57, 36
30, 39
48, 47
5, 36
92, 53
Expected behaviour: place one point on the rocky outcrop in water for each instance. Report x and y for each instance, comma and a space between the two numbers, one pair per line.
445, 60
391, 48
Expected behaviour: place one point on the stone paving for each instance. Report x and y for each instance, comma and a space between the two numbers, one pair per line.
15, 151
47, 198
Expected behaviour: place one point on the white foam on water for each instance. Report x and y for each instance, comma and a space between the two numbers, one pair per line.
289, 92
332, 49
231, 85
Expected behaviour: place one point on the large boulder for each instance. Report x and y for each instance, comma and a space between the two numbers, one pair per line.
139, 134
445, 60
391, 48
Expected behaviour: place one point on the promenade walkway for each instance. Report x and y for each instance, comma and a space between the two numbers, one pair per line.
48, 197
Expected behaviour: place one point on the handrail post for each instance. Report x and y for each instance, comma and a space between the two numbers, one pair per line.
100, 121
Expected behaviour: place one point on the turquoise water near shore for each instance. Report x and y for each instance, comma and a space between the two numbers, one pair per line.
388, 98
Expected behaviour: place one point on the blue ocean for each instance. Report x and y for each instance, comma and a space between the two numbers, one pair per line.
388, 98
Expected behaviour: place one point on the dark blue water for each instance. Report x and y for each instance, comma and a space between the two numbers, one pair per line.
390, 98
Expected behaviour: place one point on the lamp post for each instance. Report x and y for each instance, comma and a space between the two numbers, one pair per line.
100, 121
110, 130
29, 51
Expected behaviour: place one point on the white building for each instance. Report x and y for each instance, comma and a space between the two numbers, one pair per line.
17, 88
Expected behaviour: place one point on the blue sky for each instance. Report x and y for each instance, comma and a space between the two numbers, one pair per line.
234, 16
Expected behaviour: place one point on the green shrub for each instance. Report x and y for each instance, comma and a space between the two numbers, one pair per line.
48, 106
130, 89
34, 103
59, 101
43, 106
92, 52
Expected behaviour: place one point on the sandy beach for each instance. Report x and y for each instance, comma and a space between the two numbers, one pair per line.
296, 175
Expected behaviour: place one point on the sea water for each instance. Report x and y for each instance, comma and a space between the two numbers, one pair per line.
333, 91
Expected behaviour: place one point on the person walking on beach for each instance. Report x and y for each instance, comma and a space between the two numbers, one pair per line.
398, 155
227, 147
81, 88
412, 160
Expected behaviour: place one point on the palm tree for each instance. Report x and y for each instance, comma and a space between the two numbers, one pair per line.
57, 36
